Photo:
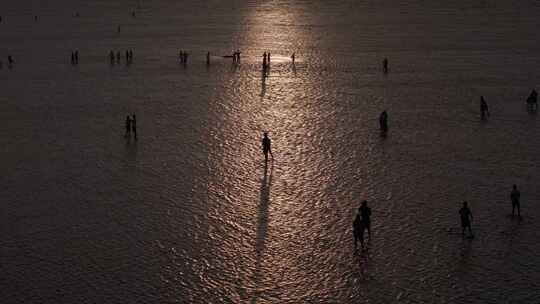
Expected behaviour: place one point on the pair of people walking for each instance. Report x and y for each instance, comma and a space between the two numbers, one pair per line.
361, 223
131, 126
467, 217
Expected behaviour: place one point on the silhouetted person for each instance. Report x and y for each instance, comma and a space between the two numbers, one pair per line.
35, 18
131, 55
238, 55
72, 57
134, 126
484, 110
119, 28
514, 197
118, 57
207, 58
268, 57
385, 65
532, 101
466, 218
10, 60
133, 14
127, 56
293, 57
267, 146
111, 57
128, 126
185, 59
77, 57
357, 231
264, 60
383, 121
365, 214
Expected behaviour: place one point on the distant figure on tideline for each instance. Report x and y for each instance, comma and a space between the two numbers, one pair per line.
207, 58
385, 65
293, 57
128, 127
466, 218
134, 126
267, 146
484, 110
383, 121
532, 101
10, 61
514, 197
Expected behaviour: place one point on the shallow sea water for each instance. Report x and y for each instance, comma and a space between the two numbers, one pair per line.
189, 213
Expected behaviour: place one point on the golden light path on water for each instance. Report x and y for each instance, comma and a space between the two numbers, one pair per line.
272, 205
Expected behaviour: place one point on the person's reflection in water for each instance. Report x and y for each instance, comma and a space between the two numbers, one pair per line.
357, 223
263, 85
262, 227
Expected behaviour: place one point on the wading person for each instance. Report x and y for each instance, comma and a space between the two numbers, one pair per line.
484, 110
383, 121
514, 197
134, 126
267, 146
365, 213
466, 218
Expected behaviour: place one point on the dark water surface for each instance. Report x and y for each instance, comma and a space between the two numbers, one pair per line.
190, 214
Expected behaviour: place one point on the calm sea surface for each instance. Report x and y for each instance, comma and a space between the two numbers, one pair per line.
189, 213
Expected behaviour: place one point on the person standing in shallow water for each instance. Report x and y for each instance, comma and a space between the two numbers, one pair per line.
514, 197
484, 110
365, 213
385, 65
267, 146
128, 127
134, 126
466, 218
